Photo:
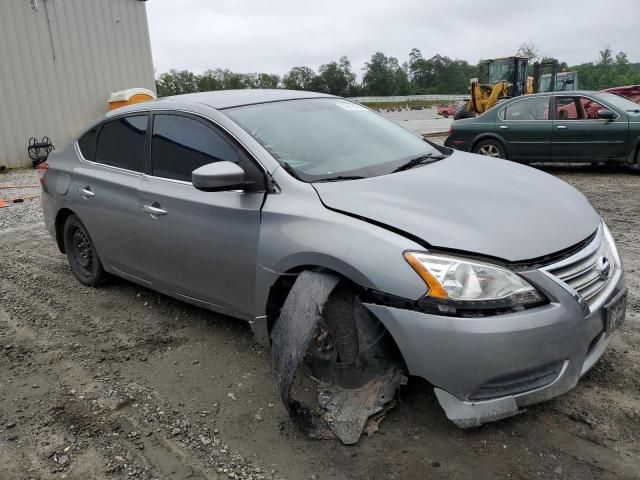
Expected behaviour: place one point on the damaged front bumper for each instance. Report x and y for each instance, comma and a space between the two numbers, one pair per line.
489, 368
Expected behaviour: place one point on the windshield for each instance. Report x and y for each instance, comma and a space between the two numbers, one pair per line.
565, 81
619, 102
500, 70
330, 137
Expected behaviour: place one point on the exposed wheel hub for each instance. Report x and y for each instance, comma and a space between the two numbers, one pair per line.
82, 251
323, 344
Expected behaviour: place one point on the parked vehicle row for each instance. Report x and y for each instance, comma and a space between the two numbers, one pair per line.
558, 126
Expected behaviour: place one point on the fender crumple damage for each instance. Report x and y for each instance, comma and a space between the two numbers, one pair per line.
321, 408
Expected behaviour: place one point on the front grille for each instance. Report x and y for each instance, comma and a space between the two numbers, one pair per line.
516, 383
589, 271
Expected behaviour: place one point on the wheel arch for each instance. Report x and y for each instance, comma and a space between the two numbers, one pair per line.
280, 289
61, 218
490, 136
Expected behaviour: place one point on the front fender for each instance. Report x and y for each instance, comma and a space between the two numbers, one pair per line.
298, 231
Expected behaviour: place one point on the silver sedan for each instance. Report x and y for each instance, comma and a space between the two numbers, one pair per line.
352, 245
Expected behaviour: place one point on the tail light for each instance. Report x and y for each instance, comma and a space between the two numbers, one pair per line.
42, 170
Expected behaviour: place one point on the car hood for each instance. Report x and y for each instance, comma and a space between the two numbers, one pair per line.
473, 204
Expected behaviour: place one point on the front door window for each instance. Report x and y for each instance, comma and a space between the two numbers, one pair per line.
578, 108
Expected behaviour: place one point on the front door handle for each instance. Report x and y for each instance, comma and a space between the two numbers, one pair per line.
86, 193
153, 210
504, 127
561, 127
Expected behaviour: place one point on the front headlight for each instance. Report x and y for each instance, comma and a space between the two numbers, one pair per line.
457, 283
611, 243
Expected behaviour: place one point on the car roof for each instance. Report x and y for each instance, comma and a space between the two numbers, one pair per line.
222, 99
561, 92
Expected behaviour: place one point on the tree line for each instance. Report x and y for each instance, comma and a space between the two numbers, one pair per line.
384, 75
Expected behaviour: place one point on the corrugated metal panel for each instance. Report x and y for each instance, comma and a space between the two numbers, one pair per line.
60, 62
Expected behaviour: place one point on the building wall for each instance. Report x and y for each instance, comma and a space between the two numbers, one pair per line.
59, 62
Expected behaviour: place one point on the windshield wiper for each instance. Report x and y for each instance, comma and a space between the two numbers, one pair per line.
419, 160
339, 178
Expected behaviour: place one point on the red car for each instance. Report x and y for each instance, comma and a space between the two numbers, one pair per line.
630, 92
447, 110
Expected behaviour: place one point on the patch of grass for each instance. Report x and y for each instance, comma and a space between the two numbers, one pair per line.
405, 104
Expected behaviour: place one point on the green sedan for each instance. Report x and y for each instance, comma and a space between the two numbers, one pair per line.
579, 126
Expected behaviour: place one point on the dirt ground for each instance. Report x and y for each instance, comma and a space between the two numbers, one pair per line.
120, 382
424, 122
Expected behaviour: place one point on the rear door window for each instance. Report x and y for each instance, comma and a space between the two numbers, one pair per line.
181, 144
121, 143
535, 108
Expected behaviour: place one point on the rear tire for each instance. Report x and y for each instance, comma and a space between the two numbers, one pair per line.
490, 148
445, 114
81, 253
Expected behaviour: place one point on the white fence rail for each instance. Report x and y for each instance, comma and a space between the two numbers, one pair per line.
408, 98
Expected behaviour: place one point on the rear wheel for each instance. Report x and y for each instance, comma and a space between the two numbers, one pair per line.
445, 114
490, 148
81, 253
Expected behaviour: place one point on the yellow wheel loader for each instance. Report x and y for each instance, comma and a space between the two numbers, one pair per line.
504, 78
498, 79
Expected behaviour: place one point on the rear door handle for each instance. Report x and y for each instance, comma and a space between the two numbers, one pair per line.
153, 210
86, 193
561, 127
504, 127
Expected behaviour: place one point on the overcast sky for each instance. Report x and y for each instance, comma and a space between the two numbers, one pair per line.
274, 35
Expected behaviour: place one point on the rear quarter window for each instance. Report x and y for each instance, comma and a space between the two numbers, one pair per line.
87, 144
121, 143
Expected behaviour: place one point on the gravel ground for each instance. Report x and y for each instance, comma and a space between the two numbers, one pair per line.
14, 214
121, 382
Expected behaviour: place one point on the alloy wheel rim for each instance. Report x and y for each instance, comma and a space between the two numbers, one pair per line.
489, 151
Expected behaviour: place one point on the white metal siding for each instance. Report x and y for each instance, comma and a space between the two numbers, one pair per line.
55, 83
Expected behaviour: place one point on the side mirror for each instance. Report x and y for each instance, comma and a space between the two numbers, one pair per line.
606, 115
218, 177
